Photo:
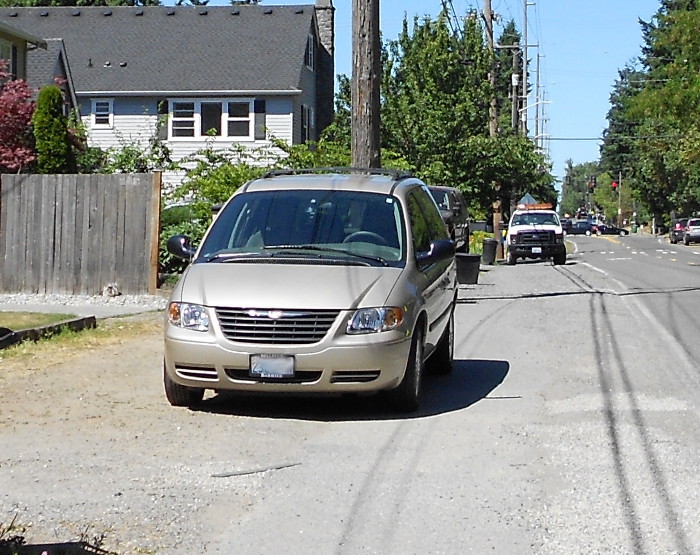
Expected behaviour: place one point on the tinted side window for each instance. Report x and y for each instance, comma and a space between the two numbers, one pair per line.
420, 230
426, 222
436, 225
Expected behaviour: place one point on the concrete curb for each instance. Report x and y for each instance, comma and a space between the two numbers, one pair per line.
9, 337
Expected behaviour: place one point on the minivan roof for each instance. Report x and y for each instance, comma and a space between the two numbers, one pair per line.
384, 182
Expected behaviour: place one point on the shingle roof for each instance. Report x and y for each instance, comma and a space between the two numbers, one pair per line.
183, 49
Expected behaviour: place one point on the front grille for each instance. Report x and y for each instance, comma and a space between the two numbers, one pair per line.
276, 327
536, 238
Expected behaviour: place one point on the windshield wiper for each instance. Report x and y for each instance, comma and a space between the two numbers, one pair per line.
318, 248
228, 256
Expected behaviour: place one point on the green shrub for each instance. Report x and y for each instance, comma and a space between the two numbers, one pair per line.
54, 150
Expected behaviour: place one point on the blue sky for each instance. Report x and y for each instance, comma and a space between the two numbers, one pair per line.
581, 44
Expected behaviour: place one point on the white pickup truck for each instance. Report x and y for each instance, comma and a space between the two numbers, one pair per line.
534, 231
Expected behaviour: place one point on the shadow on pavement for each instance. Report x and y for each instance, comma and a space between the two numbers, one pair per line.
469, 382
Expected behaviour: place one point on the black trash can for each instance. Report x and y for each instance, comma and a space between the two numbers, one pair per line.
489, 255
468, 268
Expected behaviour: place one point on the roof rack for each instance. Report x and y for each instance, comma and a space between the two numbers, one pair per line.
396, 174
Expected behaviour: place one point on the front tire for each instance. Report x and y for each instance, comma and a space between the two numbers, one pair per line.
511, 259
406, 397
181, 395
560, 259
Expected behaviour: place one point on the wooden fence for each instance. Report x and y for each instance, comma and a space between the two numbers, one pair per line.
78, 234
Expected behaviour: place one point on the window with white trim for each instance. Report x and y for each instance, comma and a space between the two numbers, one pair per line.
102, 113
309, 55
227, 118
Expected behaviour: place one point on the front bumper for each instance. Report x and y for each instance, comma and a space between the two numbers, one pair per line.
537, 251
339, 363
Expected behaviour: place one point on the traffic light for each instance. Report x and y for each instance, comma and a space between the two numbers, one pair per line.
614, 185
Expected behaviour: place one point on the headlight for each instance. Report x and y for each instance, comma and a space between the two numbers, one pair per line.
189, 316
373, 320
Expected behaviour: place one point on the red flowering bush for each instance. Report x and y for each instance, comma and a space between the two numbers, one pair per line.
16, 109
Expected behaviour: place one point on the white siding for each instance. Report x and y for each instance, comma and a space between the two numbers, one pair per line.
136, 121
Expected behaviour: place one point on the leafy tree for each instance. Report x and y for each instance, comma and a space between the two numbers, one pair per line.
53, 143
575, 193
435, 107
660, 163
339, 131
16, 109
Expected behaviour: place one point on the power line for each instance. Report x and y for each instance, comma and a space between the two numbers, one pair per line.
616, 138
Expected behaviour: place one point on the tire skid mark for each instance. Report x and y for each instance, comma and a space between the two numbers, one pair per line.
478, 327
633, 522
657, 473
610, 356
391, 474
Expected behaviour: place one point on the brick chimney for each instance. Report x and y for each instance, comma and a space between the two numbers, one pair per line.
325, 15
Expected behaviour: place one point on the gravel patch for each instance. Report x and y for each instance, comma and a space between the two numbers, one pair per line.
100, 306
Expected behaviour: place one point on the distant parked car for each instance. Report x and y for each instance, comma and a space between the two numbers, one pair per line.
608, 229
675, 234
453, 209
691, 233
581, 227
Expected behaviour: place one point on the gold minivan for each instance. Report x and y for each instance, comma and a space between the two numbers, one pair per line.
315, 283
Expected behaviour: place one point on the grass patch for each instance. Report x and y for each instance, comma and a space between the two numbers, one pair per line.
67, 343
24, 320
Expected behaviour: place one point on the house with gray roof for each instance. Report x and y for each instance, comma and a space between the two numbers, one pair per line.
222, 75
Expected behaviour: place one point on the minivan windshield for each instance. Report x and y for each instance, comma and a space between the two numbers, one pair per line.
317, 223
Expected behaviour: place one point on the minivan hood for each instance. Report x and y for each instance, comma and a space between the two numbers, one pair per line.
286, 286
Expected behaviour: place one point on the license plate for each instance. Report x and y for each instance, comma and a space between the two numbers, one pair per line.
536, 250
272, 366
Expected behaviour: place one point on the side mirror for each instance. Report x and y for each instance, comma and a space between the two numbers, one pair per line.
179, 246
440, 250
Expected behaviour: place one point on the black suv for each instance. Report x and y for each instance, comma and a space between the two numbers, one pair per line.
675, 234
453, 209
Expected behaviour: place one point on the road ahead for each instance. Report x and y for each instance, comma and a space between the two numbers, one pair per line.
569, 425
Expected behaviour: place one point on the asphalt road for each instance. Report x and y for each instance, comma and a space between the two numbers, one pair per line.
569, 425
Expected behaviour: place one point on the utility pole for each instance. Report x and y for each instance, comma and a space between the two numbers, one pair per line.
523, 120
515, 87
493, 127
493, 113
366, 67
619, 199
